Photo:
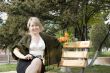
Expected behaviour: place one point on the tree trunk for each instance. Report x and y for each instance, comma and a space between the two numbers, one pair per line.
94, 57
8, 54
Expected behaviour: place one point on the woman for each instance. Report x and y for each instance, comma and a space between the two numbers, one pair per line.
35, 49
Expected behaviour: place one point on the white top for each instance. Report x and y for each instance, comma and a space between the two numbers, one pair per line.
37, 48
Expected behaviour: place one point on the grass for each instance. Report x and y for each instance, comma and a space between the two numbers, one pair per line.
105, 54
102, 54
98, 69
7, 67
91, 69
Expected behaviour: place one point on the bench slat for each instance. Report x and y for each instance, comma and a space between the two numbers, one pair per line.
74, 63
78, 44
75, 54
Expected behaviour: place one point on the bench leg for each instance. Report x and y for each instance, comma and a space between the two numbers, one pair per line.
82, 70
66, 69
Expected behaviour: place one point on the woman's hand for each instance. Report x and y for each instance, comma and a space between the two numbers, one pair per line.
28, 57
21, 56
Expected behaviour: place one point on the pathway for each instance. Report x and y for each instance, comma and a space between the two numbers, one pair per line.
9, 72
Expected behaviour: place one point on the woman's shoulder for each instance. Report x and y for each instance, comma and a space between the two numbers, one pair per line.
49, 39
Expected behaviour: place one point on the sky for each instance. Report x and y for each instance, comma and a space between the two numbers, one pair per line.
3, 16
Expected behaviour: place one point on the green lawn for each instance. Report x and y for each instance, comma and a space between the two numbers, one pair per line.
7, 67
103, 54
98, 69
92, 69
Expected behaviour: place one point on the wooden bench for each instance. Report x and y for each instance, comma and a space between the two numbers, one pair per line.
75, 54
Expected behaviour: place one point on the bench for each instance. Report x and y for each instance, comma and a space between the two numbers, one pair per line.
75, 54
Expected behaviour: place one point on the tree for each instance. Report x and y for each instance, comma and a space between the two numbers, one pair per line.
67, 13
61, 13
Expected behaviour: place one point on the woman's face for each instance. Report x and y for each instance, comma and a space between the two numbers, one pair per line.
33, 28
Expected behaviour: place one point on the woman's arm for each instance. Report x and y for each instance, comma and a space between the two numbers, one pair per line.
20, 55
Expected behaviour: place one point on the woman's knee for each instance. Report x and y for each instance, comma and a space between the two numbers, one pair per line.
35, 66
37, 61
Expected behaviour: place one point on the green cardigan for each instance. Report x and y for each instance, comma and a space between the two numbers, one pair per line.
53, 50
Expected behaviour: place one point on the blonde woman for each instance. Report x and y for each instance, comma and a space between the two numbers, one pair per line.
34, 48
